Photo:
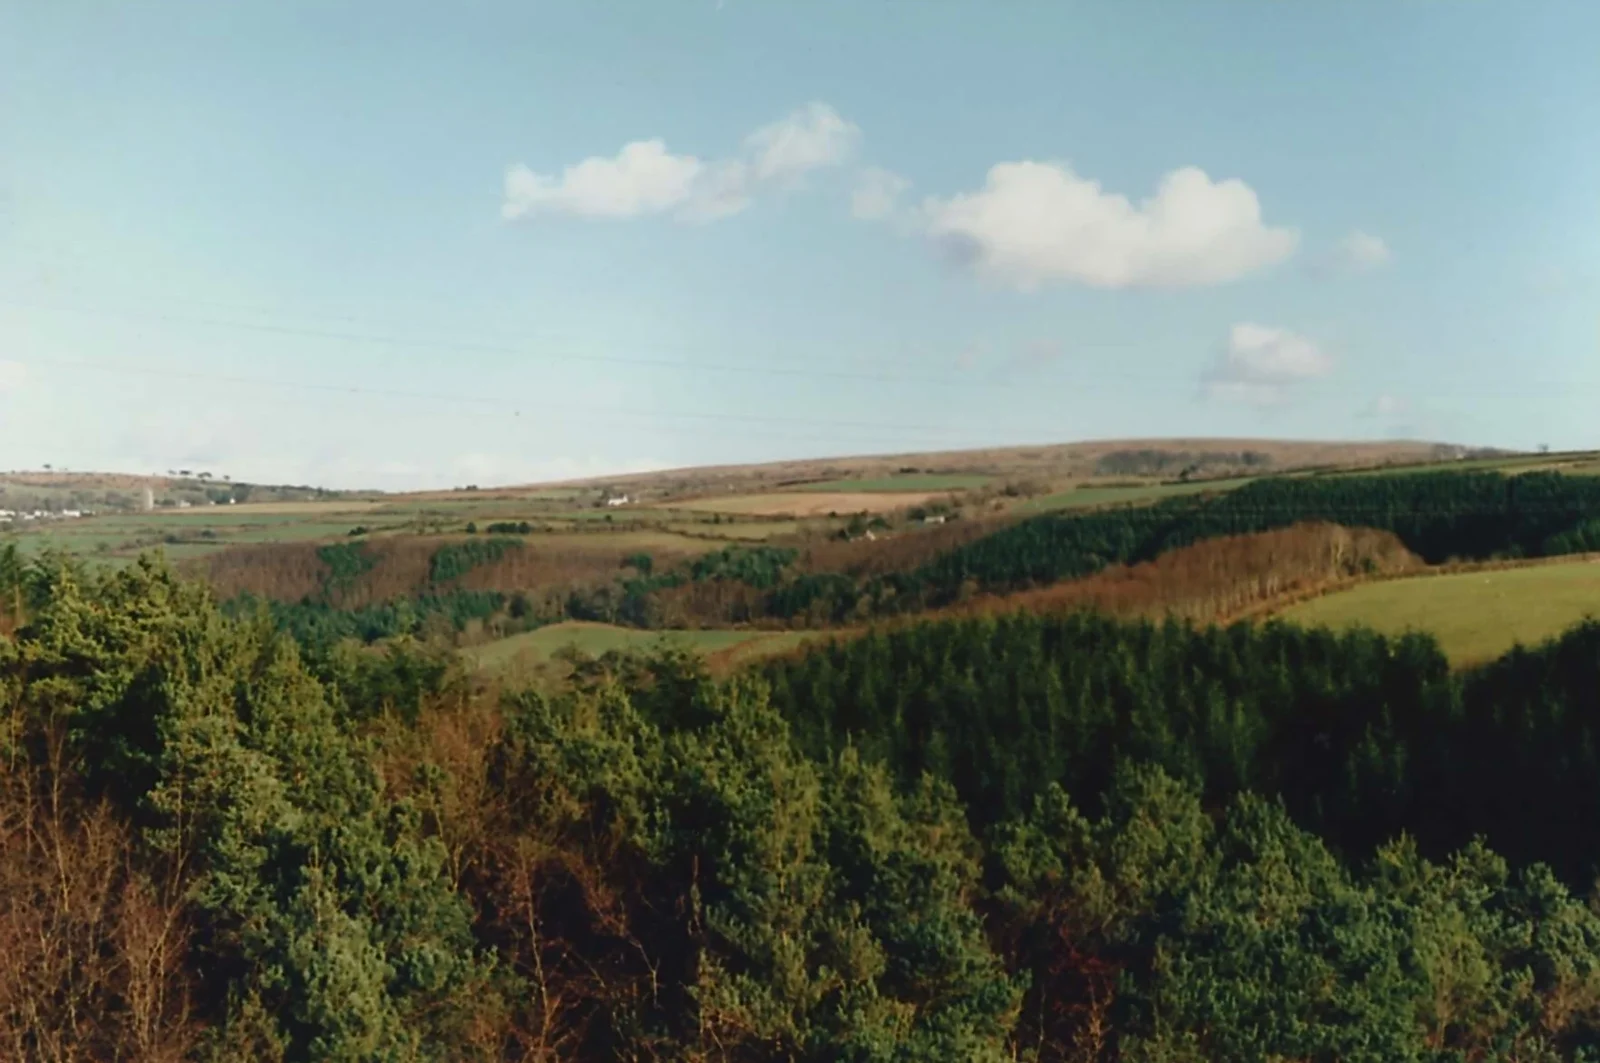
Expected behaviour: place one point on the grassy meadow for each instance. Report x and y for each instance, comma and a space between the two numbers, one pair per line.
905, 482
1577, 463
1474, 615
797, 504
185, 533
543, 643
1089, 494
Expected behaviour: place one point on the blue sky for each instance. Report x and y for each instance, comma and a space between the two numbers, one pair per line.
420, 244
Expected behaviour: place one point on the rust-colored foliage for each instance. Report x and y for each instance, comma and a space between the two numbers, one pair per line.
292, 571
92, 948
553, 904
899, 552
710, 602
283, 571
560, 563
1219, 578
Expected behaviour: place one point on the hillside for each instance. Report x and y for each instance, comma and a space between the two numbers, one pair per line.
52, 491
864, 545
1061, 837
969, 766
1053, 463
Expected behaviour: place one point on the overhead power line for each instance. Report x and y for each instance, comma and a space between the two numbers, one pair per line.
482, 347
991, 378
76, 365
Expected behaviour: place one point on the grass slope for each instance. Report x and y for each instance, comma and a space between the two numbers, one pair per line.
906, 482
1089, 495
1474, 615
596, 639
811, 503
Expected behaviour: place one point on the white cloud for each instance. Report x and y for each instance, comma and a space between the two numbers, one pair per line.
877, 193
1362, 251
722, 191
643, 178
1259, 365
13, 375
1034, 222
809, 138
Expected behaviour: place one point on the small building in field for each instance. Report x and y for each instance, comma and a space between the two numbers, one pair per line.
619, 500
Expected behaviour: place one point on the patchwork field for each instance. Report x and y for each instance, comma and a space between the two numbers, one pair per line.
246, 511
1576, 462
906, 482
595, 639
1474, 615
1090, 495
754, 531
187, 533
811, 504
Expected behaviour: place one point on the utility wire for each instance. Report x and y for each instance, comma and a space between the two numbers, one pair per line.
77, 365
479, 347
993, 379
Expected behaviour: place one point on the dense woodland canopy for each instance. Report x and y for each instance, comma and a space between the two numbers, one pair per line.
1047, 839
1359, 736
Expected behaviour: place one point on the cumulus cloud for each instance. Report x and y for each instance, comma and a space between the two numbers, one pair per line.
13, 375
642, 178
1036, 222
722, 191
1357, 251
877, 193
645, 178
807, 139
1362, 251
1260, 365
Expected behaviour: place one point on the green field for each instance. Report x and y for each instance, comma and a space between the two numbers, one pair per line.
907, 482
1474, 615
193, 531
596, 639
1087, 495
1580, 463
196, 532
742, 531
